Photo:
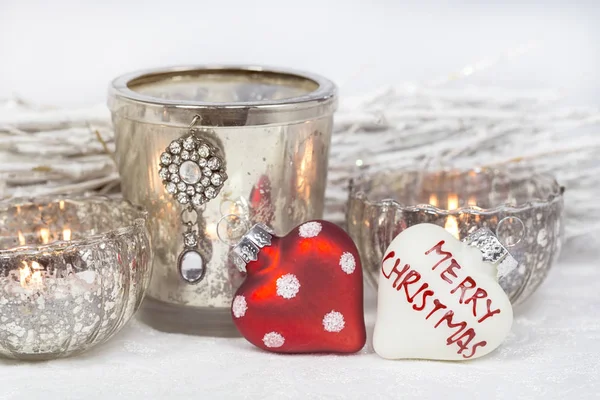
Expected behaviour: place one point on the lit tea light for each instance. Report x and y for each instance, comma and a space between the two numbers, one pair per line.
30, 276
473, 204
452, 226
451, 222
52, 287
452, 201
21, 238
433, 200
44, 235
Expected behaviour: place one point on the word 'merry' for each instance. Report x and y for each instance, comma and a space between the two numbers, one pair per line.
442, 316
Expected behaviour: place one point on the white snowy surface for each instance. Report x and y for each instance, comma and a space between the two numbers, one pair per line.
551, 353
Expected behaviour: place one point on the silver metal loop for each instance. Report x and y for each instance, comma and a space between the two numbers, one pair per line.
189, 222
239, 207
228, 241
194, 121
510, 231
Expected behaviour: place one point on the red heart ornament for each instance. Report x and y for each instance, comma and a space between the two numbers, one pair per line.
303, 293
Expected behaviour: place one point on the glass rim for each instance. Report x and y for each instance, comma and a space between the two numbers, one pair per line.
357, 192
131, 104
140, 219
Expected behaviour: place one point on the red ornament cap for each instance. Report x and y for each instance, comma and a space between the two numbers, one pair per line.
303, 292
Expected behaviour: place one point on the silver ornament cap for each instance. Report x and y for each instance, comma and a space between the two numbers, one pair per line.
249, 246
493, 251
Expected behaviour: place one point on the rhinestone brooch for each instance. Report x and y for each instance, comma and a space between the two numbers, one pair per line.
193, 173
192, 170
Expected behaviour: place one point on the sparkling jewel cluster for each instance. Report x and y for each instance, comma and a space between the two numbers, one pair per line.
192, 171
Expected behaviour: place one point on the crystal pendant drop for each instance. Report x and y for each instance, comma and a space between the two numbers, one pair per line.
193, 172
191, 266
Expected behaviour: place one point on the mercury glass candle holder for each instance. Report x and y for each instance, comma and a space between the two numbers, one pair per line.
72, 273
269, 129
525, 211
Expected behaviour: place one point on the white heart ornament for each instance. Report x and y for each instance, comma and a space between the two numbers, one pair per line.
438, 299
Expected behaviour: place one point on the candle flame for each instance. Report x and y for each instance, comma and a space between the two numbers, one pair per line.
433, 200
473, 203
66, 234
21, 238
452, 201
61, 204
45, 235
30, 276
452, 226
451, 222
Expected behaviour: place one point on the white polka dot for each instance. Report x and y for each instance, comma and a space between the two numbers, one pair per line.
310, 229
333, 321
239, 306
273, 339
288, 286
348, 263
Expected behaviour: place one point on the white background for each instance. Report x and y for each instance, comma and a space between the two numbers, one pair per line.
65, 53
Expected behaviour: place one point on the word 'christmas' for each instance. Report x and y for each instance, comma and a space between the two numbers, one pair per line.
423, 298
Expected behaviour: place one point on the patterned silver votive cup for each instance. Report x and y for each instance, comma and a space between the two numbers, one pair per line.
72, 273
271, 130
524, 210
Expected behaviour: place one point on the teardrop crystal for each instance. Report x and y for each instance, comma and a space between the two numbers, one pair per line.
191, 266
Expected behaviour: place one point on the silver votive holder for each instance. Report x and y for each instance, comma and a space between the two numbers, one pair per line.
524, 210
72, 273
272, 129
